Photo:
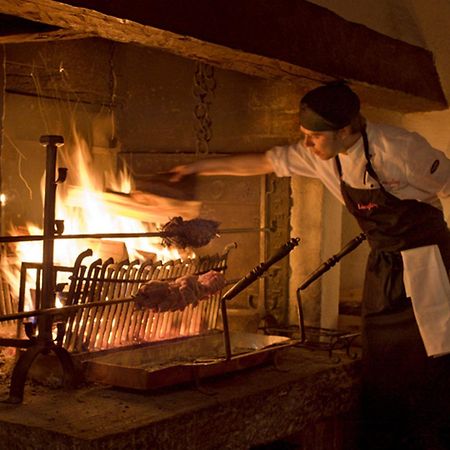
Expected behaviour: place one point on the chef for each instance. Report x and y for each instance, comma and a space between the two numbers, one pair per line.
391, 180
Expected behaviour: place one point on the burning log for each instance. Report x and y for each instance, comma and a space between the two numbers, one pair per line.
162, 296
106, 248
142, 206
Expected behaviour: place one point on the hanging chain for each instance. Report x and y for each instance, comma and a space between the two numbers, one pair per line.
113, 96
2, 128
203, 90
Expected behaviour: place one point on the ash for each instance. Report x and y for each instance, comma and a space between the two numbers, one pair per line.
7, 361
7, 355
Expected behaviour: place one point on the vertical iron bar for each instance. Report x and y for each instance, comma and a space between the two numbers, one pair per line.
20, 307
48, 278
226, 329
301, 320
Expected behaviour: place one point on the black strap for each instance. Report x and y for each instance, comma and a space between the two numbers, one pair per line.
338, 165
369, 169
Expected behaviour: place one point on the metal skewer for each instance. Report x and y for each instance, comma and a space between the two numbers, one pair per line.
26, 238
68, 308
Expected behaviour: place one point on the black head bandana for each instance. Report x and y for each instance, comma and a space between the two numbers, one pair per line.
329, 108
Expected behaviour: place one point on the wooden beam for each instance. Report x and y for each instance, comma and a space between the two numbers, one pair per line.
387, 86
58, 34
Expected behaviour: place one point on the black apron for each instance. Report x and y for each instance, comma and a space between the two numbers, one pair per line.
396, 371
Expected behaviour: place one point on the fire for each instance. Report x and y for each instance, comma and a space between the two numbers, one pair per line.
82, 204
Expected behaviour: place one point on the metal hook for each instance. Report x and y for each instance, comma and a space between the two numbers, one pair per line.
62, 175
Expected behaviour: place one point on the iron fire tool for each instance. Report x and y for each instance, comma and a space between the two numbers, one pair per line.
324, 267
246, 281
43, 342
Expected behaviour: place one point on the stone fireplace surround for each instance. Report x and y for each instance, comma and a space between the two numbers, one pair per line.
135, 104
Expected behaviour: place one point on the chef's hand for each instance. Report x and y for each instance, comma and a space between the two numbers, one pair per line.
179, 172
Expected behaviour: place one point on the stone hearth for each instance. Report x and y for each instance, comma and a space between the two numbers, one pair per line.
306, 398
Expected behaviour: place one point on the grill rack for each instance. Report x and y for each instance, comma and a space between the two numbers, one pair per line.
97, 329
88, 317
316, 338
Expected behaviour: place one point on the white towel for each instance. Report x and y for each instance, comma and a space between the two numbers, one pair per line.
427, 283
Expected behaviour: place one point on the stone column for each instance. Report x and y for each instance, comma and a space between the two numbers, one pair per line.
317, 219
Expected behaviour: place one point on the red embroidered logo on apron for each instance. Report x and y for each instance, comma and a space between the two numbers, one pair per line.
368, 206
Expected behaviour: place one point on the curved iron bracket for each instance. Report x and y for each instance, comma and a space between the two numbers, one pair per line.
25, 361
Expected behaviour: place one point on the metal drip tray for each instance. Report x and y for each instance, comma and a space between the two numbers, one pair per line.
185, 360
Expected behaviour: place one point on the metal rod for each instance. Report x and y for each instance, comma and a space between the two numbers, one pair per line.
226, 329
131, 281
47, 299
68, 308
301, 317
324, 267
62, 310
9, 239
260, 269
16, 342
329, 263
44, 341
246, 281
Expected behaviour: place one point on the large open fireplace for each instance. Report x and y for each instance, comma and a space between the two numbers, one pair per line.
105, 305
109, 104
253, 215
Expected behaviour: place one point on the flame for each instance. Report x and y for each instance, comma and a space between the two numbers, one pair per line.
91, 215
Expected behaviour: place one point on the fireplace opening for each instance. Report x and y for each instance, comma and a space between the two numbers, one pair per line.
128, 114
123, 303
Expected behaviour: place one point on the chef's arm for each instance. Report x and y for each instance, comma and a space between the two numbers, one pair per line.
238, 165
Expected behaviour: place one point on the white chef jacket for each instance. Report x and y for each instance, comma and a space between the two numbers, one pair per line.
407, 165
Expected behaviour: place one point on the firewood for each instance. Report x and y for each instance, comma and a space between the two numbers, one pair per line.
136, 205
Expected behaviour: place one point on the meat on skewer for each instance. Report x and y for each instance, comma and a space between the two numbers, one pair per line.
192, 233
162, 296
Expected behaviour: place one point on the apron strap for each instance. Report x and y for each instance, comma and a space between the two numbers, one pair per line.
369, 168
338, 165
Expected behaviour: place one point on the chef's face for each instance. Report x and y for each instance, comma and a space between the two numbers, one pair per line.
324, 144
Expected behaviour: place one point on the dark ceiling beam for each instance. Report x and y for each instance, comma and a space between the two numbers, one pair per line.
291, 40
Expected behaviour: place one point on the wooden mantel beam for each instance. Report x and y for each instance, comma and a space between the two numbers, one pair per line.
398, 76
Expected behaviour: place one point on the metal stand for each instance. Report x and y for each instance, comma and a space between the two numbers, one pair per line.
43, 343
325, 338
245, 282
